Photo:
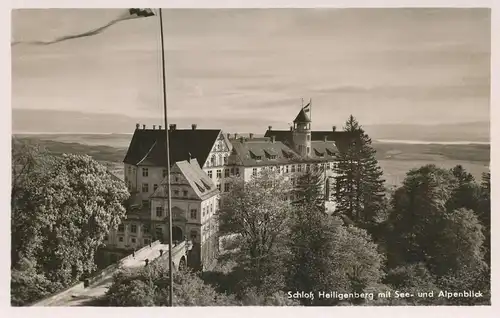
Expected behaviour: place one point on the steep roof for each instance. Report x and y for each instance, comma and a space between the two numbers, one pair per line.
341, 138
302, 117
147, 146
261, 152
325, 150
198, 180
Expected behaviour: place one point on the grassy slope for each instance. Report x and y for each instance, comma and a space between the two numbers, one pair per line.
395, 159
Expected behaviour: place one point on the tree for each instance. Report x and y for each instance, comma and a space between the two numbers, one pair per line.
326, 255
308, 190
149, 286
360, 187
466, 193
484, 213
61, 210
413, 278
416, 208
27, 285
424, 229
259, 211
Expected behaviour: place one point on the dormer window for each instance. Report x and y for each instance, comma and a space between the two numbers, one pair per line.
330, 152
200, 187
270, 154
206, 185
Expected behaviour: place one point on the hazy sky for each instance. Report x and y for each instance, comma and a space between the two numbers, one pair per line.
382, 65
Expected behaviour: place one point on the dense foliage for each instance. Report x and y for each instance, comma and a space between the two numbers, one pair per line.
62, 207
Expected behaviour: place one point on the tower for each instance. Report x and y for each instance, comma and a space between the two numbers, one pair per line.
302, 132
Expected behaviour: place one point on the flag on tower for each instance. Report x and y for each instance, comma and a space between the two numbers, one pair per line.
127, 14
307, 108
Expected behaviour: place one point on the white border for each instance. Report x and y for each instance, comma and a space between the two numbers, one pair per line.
419, 312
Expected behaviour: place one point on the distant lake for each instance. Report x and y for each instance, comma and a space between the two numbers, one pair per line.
426, 142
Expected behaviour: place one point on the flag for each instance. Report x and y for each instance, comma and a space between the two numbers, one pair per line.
307, 108
128, 14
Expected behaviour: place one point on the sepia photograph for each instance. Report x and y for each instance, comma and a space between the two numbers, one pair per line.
250, 157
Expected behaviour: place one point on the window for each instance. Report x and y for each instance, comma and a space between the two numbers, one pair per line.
145, 172
308, 137
299, 168
132, 240
237, 171
145, 229
121, 228
193, 213
176, 178
145, 187
185, 193
176, 192
210, 174
226, 173
146, 241
155, 186
232, 171
133, 228
204, 210
120, 238
286, 169
164, 173
225, 159
308, 167
293, 168
159, 211
307, 150
254, 171
226, 187
218, 186
211, 208
129, 169
219, 173
212, 160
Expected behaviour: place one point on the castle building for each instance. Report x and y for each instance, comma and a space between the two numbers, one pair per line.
203, 161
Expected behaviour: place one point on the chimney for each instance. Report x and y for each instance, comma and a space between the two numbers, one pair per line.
250, 135
137, 126
154, 127
193, 126
143, 126
235, 136
325, 138
172, 127
159, 127
242, 139
291, 128
273, 139
228, 135
334, 128
270, 127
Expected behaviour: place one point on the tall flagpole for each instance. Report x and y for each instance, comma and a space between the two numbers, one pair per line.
171, 294
310, 109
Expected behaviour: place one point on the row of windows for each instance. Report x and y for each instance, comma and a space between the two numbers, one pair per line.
134, 228
227, 173
226, 187
176, 192
133, 240
145, 172
297, 168
217, 160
